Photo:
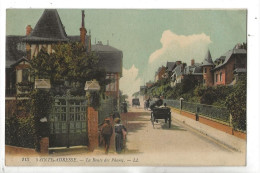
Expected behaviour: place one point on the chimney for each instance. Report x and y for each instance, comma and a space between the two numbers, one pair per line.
28, 30
192, 62
83, 30
28, 46
178, 62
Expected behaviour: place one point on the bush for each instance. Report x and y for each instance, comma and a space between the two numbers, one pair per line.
11, 131
20, 132
236, 104
213, 95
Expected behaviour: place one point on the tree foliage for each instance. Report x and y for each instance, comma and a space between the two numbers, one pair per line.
236, 104
69, 64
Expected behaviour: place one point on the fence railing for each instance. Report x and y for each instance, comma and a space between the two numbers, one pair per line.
173, 103
213, 112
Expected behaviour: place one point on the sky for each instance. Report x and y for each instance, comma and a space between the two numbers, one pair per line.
148, 38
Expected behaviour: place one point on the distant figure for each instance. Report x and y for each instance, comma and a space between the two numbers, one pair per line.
125, 107
148, 103
157, 103
120, 135
106, 133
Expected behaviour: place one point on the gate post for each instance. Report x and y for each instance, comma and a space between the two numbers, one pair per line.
181, 103
92, 120
92, 115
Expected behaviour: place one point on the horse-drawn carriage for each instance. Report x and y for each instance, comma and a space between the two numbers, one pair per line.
160, 113
135, 102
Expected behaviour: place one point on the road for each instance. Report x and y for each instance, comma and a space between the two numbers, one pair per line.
145, 146
178, 146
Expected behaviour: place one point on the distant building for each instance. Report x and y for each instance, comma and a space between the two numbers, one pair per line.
143, 90
181, 71
149, 84
207, 66
170, 66
160, 73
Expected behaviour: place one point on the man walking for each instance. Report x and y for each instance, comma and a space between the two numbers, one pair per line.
106, 133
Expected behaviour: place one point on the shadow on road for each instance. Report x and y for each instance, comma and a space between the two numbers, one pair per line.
135, 126
173, 127
134, 120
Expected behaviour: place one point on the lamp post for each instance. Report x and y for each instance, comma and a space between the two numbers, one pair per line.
92, 114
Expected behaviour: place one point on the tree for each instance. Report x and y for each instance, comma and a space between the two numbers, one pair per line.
71, 63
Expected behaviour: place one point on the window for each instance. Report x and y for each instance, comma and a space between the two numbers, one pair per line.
220, 76
112, 85
205, 70
216, 77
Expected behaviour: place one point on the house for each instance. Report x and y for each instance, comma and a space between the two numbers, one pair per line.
159, 75
15, 53
49, 31
227, 68
181, 71
170, 66
111, 61
194, 71
177, 73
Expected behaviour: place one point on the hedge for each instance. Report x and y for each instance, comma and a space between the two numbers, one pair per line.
20, 132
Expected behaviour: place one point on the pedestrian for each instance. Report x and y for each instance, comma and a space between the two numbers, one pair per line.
106, 133
148, 103
125, 106
120, 135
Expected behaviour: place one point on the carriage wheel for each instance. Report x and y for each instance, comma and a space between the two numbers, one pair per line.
170, 121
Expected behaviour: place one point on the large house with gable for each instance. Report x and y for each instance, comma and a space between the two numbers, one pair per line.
48, 31
226, 69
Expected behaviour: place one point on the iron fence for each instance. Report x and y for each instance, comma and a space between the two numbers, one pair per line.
213, 112
172, 103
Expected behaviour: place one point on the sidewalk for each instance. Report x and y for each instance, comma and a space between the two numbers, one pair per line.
228, 140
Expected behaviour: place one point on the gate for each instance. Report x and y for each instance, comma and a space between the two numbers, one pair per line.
68, 126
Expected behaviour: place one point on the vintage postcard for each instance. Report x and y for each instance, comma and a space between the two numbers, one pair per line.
126, 87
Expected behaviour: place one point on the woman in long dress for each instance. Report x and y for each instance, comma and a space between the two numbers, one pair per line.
120, 135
